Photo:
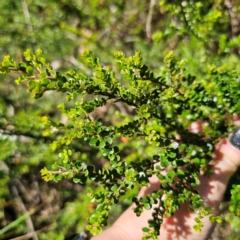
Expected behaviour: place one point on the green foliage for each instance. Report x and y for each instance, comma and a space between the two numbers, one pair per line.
186, 69
165, 105
234, 207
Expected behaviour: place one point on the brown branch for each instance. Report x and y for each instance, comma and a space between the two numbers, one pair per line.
23, 209
31, 234
27, 15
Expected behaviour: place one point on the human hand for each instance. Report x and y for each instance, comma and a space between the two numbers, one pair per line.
226, 160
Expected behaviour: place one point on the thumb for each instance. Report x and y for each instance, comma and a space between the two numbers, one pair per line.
226, 156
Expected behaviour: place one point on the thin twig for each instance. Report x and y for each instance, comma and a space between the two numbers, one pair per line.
149, 19
27, 15
24, 211
229, 7
28, 235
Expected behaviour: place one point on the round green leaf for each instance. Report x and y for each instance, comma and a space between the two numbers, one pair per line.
29, 70
93, 142
76, 180
145, 229
102, 144
147, 206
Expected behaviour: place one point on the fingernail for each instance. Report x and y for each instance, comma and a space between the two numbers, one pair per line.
235, 139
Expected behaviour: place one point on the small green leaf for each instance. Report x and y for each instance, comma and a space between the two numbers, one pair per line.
43, 75
180, 172
38, 52
89, 130
102, 144
45, 82
31, 85
196, 160
143, 200
145, 229
111, 157
76, 180
93, 142
22, 66
218, 219
51, 84
29, 69
147, 206
171, 174
164, 161
6, 61
110, 141
100, 207
60, 84
172, 154
114, 188
58, 177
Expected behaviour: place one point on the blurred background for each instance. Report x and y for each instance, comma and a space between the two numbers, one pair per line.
200, 32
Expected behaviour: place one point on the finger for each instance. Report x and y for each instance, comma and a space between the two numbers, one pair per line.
198, 126
227, 154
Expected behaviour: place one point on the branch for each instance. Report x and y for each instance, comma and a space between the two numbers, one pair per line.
27, 15
149, 18
29, 235
24, 211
